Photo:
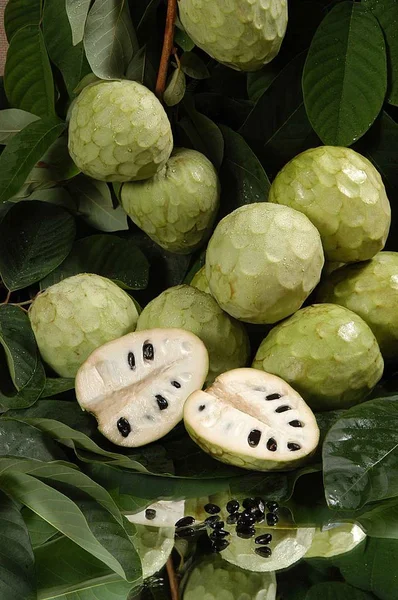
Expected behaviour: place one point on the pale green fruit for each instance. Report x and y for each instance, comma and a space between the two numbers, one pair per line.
154, 546
343, 195
77, 315
200, 282
339, 539
327, 353
243, 34
187, 308
119, 131
215, 579
262, 262
177, 207
369, 289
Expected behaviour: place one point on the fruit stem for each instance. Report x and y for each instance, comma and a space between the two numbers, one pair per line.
172, 579
7, 299
167, 47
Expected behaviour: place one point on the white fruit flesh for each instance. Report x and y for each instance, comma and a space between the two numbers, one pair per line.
136, 386
252, 420
168, 512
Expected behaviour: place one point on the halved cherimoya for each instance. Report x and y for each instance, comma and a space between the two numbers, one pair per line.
253, 420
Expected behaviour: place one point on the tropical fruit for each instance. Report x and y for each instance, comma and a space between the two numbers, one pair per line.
199, 281
335, 540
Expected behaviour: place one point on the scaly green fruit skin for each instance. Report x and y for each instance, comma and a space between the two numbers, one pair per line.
77, 315
370, 290
119, 131
327, 353
262, 262
188, 308
177, 207
199, 281
343, 195
243, 34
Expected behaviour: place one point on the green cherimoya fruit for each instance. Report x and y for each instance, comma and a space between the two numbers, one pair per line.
262, 262
73, 317
243, 34
343, 195
327, 353
199, 281
188, 308
370, 289
177, 207
338, 539
215, 578
119, 131
253, 420
136, 386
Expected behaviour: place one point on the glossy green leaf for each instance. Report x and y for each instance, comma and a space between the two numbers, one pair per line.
54, 195
39, 530
77, 11
19, 13
107, 255
336, 590
203, 134
193, 66
22, 153
17, 573
345, 75
141, 68
27, 76
380, 520
12, 120
70, 60
360, 455
182, 39
54, 166
26, 441
48, 236
57, 385
175, 90
109, 38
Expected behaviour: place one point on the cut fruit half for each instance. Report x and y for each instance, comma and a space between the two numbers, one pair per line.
339, 539
164, 513
136, 386
253, 420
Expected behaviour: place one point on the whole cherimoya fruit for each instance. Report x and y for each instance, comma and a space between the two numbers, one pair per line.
343, 195
243, 34
188, 308
75, 316
327, 353
177, 207
119, 131
262, 262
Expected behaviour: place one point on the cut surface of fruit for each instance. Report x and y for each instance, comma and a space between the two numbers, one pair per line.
136, 386
336, 540
154, 546
254, 421
167, 513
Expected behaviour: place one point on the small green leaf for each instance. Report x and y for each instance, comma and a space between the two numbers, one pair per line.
345, 75
141, 69
259, 81
95, 204
109, 38
175, 90
19, 13
70, 60
57, 385
22, 153
35, 238
55, 165
183, 40
203, 134
55, 195
12, 121
77, 11
107, 255
193, 66
28, 77
26, 441
39, 530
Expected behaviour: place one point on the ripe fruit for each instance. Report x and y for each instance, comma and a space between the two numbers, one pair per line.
252, 420
369, 289
200, 282
119, 131
177, 206
186, 307
338, 539
262, 262
243, 34
327, 353
136, 386
343, 195
75, 316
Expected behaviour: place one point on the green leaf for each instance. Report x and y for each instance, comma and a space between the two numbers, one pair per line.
259, 81
19, 13
58, 385
175, 90
203, 134
109, 38
55, 165
39, 530
360, 455
70, 60
380, 520
336, 590
193, 66
96, 206
54, 195
35, 238
108, 255
22, 153
26, 441
345, 75
141, 69
12, 120
22, 386
17, 575
386, 12
182, 39
77, 11
28, 78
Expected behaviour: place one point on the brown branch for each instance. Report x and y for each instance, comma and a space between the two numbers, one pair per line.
172, 579
167, 47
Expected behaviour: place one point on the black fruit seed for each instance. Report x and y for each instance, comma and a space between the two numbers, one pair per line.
260, 503
185, 532
249, 503
295, 423
283, 408
273, 397
211, 521
131, 360
272, 506
265, 538
148, 351
263, 551
293, 447
212, 509
219, 545
232, 519
124, 427
246, 519
232, 506
272, 519
176, 384
150, 514
202, 407
219, 525
272, 446
258, 515
219, 534
254, 437
162, 402
245, 532
185, 522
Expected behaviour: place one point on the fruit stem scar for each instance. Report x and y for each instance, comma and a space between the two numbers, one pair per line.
167, 47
